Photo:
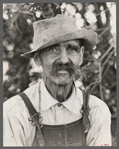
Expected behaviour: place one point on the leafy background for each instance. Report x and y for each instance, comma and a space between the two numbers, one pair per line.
98, 71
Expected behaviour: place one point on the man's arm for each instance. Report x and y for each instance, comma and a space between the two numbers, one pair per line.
100, 130
12, 132
16, 127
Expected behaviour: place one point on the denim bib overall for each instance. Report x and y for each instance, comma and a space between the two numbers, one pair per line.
71, 134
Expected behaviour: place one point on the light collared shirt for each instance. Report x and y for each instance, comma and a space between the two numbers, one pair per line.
18, 130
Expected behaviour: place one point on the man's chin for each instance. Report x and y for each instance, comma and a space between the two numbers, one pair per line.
62, 83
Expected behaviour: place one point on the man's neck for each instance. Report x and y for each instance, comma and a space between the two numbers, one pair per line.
59, 92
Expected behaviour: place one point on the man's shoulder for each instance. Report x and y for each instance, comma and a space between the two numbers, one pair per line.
15, 103
95, 102
98, 109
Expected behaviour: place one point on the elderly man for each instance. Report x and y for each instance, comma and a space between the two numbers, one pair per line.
54, 112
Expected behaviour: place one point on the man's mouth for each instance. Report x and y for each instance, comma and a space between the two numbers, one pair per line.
63, 72
63, 69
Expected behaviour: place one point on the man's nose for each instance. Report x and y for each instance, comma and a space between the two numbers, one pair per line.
63, 56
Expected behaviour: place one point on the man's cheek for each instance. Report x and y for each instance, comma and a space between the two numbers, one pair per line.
48, 69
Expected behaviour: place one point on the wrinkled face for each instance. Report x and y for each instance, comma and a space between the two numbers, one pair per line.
60, 61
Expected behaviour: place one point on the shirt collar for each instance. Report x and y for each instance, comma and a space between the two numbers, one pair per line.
47, 100
73, 103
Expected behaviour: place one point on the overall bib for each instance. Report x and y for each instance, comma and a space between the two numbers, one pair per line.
71, 134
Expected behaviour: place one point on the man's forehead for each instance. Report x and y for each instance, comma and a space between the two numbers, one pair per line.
75, 42
70, 42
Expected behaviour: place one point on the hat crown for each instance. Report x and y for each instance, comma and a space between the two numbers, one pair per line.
47, 29
59, 29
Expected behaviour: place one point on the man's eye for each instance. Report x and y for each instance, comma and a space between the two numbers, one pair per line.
53, 50
72, 49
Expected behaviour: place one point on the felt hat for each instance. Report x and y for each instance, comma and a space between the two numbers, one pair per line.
61, 28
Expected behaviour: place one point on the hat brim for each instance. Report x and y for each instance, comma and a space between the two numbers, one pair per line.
89, 36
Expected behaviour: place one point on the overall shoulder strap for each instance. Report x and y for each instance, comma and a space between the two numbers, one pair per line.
85, 110
34, 117
29, 105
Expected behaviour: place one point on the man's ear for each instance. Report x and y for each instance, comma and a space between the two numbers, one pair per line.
81, 55
37, 59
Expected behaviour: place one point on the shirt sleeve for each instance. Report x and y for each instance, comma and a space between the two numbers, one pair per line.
13, 134
17, 129
100, 130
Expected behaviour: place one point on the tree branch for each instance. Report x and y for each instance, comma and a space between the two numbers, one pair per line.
107, 59
100, 80
107, 51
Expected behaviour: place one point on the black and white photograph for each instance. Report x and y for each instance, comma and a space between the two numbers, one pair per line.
59, 74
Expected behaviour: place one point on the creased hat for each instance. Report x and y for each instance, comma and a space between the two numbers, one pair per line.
61, 28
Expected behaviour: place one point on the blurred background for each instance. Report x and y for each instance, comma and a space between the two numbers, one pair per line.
98, 70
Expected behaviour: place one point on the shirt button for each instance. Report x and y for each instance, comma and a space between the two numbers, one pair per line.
59, 104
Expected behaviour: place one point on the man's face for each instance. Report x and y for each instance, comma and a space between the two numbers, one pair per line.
60, 61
